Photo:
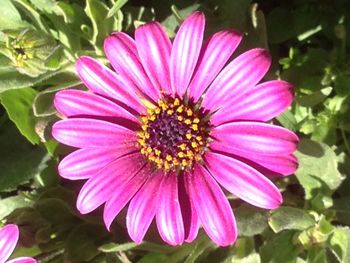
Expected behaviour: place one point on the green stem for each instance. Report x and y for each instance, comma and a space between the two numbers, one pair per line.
48, 257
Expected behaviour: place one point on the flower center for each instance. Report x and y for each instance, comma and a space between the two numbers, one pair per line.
174, 135
20, 54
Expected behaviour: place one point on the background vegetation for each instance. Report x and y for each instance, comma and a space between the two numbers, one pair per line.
309, 42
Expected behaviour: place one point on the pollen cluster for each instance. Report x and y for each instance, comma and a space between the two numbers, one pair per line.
173, 135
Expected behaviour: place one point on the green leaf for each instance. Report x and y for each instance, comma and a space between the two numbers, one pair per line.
340, 244
252, 258
36, 18
114, 247
10, 17
11, 79
9, 204
55, 210
171, 22
116, 7
43, 102
80, 245
18, 104
198, 250
102, 25
279, 249
68, 37
317, 255
318, 168
185, 250
20, 160
342, 85
290, 218
251, 220
288, 120
48, 176
47, 6
342, 208
153, 257
314, 98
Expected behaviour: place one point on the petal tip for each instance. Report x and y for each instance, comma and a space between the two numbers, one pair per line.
83, 206
234, 33
81, 61
11, 229
107, 220
197, 14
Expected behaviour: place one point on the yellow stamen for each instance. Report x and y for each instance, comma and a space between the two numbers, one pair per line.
166, 165
196, 120
181, 154
189, 153
182, 146
188, 121
180, 109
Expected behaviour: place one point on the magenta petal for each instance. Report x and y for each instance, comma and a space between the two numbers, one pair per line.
212, 206
168, 216
215, 55
186, 49
260, 103
99, 188
101, 80
189, 214
242, 73
84, 163
8, 240
122, 194
243, 181
90, 133
154, 47
253, 138
121, 51
76, 102
143, 207
22, 260
282, 165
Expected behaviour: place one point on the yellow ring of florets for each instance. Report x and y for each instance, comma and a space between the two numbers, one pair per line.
189, 149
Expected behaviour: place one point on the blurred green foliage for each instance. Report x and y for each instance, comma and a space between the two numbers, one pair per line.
309, 41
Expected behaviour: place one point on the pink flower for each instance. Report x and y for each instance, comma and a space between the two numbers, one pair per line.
8, 239
170, 125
